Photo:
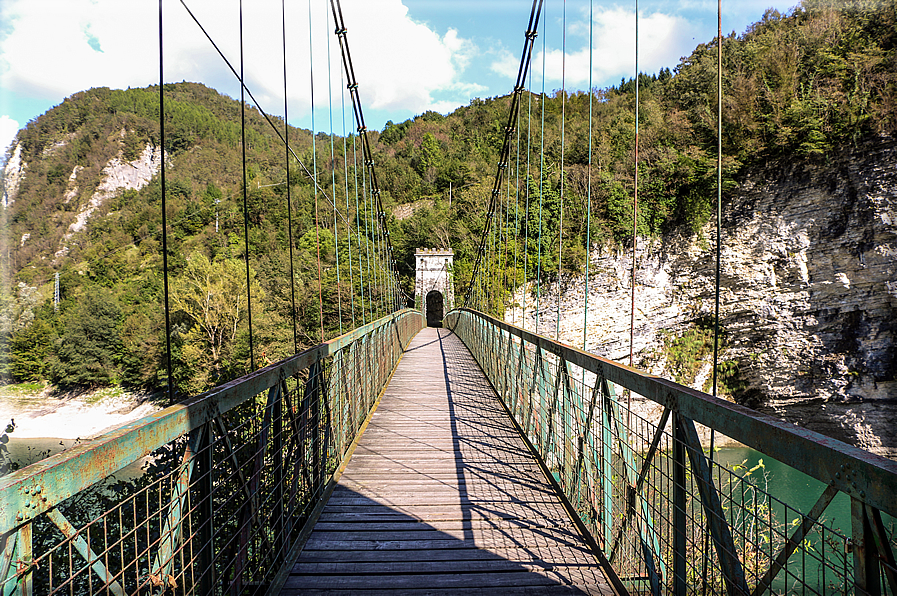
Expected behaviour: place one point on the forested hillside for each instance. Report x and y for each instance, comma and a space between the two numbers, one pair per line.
795, 85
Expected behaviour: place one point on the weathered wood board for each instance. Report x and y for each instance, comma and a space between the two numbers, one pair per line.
442, 497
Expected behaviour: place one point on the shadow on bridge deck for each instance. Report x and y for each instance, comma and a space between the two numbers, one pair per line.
442, 496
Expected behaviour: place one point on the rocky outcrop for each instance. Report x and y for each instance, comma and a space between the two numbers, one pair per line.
808, 295
118, 175
13, 172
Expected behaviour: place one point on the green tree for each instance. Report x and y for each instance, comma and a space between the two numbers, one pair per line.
89, 347
210, 297
29, 351
430, 158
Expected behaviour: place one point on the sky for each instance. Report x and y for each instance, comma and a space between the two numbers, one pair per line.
409, 56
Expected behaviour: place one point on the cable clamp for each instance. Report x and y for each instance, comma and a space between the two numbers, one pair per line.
532, 34
340, 31
352, 86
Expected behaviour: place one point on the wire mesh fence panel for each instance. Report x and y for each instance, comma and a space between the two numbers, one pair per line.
225, 483
629, 452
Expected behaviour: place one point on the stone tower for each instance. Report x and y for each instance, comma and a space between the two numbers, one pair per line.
434, 292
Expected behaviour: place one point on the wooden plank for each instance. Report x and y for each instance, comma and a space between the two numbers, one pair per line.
557, 553
442, 496
571, 572
519, 492
426, 580
440, 525
569, 590
534, 539
419, 510
513, 535
364, 514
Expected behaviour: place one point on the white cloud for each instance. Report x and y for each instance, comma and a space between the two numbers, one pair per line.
54, 49
663, 40
506, 64
8, 130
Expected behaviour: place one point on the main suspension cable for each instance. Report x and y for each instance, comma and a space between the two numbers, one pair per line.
339, 298
367, 153
517, 226
504, 155
541, 185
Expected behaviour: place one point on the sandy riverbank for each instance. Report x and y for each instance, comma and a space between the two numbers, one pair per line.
70, 417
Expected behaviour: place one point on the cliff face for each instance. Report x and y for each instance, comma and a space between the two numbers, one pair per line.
808, 299
117, 174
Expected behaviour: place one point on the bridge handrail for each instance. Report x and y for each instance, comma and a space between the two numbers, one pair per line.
826, 459
43, 484
37, 489
563, 400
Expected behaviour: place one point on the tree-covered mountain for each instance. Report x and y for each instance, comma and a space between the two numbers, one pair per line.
83, 196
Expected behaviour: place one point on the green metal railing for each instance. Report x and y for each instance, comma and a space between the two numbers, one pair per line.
668, 518
224, 485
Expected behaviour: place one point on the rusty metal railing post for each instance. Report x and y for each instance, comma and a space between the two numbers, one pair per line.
25, 564
280, 543
679, 513
862, 544
16, 563
205, 513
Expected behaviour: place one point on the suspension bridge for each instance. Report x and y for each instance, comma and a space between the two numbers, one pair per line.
468, 456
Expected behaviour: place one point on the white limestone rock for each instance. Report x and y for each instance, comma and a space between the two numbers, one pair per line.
808, 296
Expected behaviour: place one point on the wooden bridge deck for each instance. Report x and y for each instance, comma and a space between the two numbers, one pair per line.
442, 496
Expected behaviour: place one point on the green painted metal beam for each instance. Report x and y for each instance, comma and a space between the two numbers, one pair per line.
859, 473
33, 490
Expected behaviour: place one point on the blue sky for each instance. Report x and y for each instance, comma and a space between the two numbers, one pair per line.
410, 55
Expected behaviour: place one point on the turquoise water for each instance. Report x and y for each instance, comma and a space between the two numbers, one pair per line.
805, 572
790, 486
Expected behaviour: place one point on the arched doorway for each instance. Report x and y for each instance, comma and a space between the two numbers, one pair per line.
434, 308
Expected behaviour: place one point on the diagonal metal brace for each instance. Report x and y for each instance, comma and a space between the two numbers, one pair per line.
796, 538
733, 572
883, 546
646, 530
8, 544
72, 533
633, 491
171, 532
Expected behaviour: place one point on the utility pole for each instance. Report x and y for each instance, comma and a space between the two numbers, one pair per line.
56, 294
